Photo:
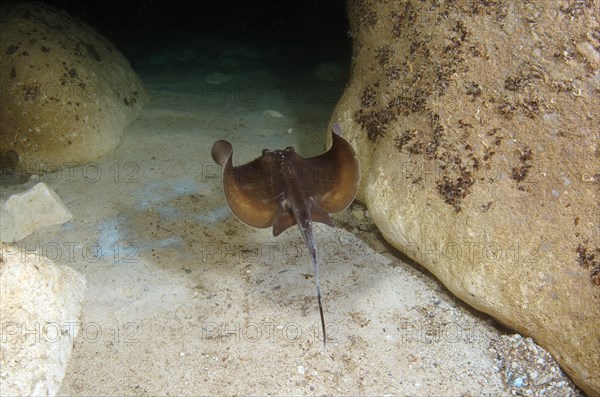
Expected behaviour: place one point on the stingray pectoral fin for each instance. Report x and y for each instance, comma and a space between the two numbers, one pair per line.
221, 152
247, 190
318, 215
336, 175
284, 222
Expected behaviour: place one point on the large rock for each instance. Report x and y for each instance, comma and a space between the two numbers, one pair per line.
40, 304
24, 213
476, 124
67, 92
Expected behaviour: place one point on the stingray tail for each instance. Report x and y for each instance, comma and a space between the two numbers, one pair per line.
309, 238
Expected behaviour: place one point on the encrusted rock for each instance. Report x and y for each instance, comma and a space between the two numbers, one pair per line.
67, 92
476, 125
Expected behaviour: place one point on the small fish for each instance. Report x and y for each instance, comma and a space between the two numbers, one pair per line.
282, 189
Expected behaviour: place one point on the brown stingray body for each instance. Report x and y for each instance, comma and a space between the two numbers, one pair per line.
282, 189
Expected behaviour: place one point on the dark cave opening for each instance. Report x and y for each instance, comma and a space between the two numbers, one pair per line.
291, 35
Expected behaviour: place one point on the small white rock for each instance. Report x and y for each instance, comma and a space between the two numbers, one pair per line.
358, 214
217, 78
273, 113
24, 213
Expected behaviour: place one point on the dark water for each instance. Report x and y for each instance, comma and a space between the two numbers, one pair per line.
291, 33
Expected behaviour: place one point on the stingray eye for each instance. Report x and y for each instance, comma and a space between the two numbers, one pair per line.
266, 152
289, 149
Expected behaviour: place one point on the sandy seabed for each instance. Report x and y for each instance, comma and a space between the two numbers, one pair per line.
183, 299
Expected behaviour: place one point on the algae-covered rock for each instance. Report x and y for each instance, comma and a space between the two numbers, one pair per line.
68, 93
476, 124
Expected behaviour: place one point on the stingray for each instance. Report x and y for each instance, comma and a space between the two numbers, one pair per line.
282, 189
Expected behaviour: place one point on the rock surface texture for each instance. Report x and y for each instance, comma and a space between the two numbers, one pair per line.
24, 213
40, 303
476, 124
67, 92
